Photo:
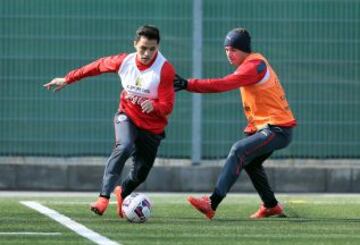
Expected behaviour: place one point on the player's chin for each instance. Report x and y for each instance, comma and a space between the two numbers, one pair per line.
233, 63
145, 61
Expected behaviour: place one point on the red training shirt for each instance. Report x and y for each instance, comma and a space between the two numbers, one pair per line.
154, 121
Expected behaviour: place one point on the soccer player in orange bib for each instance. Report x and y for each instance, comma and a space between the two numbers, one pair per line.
270, 122
146, 101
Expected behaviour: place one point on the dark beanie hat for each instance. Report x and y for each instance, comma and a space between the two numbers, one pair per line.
239, 38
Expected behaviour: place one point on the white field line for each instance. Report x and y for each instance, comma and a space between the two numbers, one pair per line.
69, 223
71, 202
30, 233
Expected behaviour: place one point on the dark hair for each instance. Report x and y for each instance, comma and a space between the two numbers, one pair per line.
239, 38
148, 31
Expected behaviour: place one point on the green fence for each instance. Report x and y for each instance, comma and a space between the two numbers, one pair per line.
313, 45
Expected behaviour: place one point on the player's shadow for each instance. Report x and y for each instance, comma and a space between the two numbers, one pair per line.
291, 219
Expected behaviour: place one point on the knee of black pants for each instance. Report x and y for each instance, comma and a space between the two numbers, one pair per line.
140, 175
237, 151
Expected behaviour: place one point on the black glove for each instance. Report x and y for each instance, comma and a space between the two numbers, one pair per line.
179, 83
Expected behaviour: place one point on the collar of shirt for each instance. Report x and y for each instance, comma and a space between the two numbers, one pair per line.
142, 66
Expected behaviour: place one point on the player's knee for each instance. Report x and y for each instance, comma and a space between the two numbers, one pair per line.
236, 151
125, 148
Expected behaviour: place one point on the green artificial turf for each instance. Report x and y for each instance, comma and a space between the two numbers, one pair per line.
312, 219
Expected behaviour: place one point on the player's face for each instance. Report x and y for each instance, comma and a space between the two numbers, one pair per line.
146, 49
234, 56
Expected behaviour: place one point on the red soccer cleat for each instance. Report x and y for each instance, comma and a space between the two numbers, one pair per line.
100, 205
264, 212
119, 201
203, 204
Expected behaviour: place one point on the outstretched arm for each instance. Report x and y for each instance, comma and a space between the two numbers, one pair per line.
102, 65
247, 74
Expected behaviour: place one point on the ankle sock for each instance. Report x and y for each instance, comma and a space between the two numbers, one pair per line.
215, 200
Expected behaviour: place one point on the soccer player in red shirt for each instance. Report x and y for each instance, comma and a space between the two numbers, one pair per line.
146, 102
270, 122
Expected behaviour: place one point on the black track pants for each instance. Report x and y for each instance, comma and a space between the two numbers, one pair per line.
129, 141
249, 154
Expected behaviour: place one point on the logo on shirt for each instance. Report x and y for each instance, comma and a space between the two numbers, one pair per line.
138, 82
137, 88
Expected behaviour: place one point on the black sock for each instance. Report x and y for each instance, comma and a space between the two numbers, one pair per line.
123, 195
107, 197
271, 204
215, 200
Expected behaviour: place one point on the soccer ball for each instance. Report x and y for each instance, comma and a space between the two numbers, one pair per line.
137, 208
